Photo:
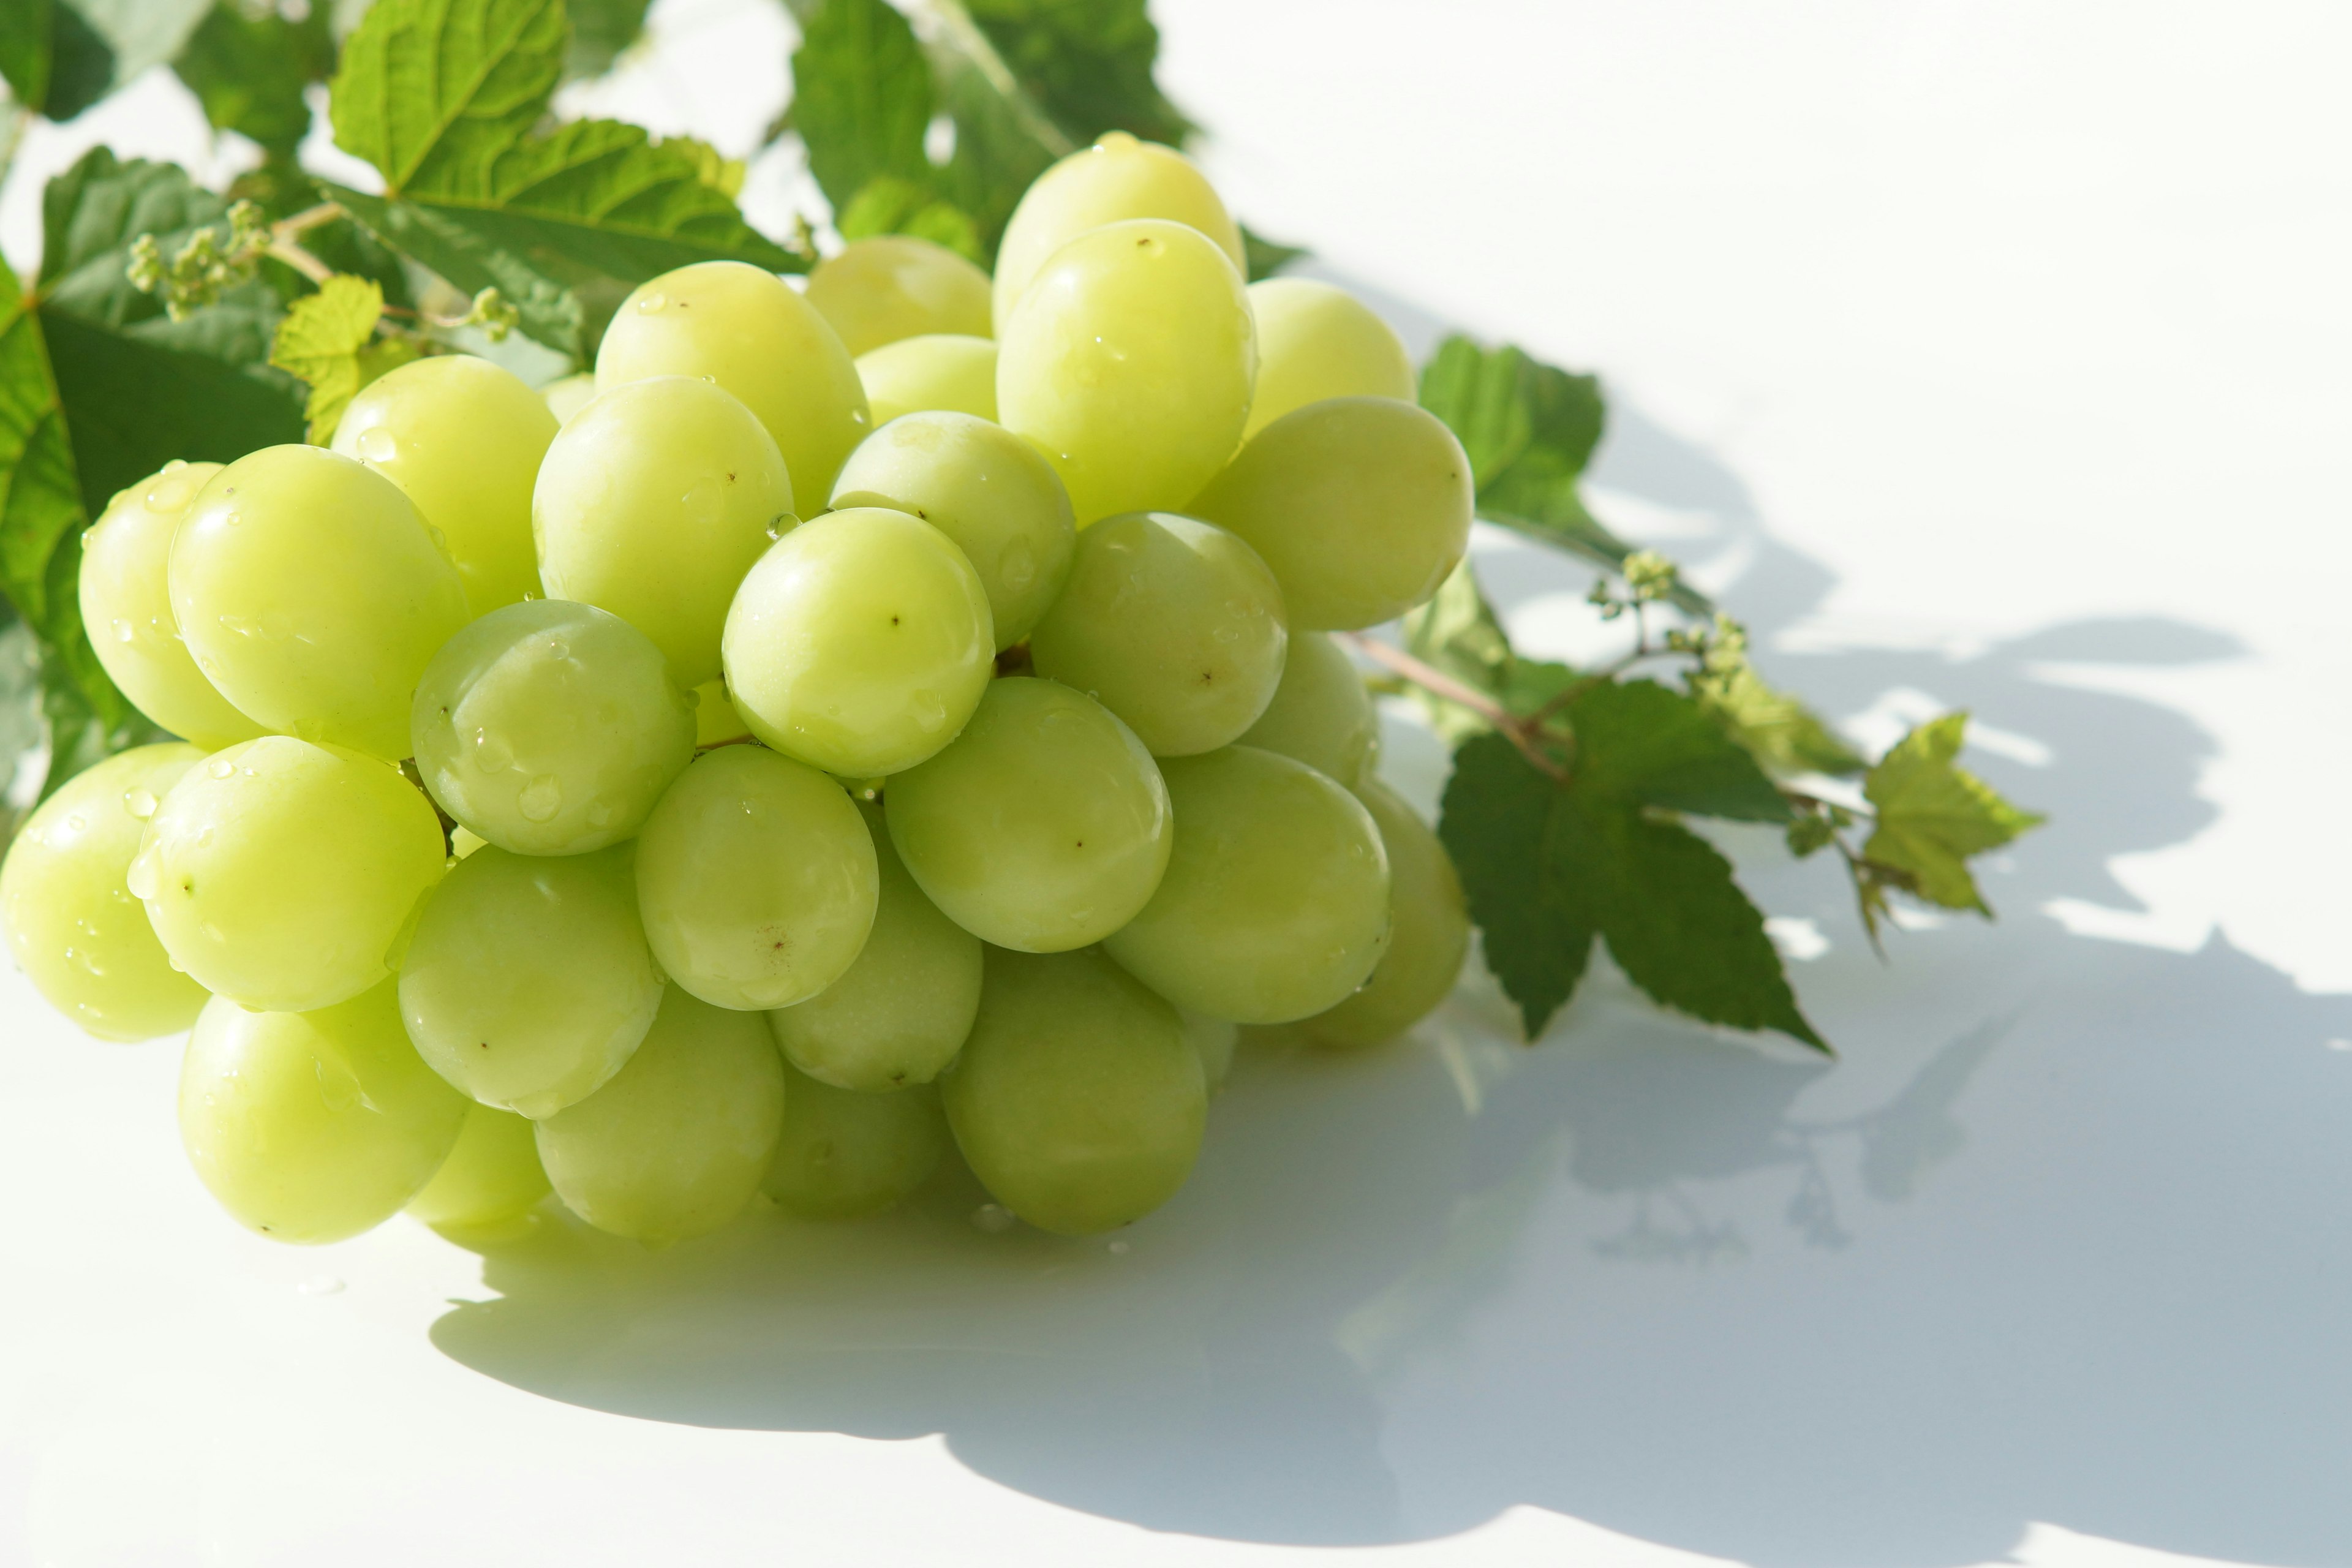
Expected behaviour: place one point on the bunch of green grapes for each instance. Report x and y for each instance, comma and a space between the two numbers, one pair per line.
857, 724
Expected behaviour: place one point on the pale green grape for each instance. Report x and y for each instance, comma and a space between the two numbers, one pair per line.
842, 1153
1214, 1039
1117, 178
748, 331
1173, 625
716, 723
1429, 932
284, 875
126, 604
677, 1143
568, 397
1361, 505
464, 841
73, 926
1322, 714
860, 642
1276, 905
984, 488
1316, 341
756, 880
311, 1127
551, 728
529, 981
1077, 1101
895, 286
898, 1015
939, 371
312, 596
492, 1175
653, 502
1128, 362
1043, 828
462, 439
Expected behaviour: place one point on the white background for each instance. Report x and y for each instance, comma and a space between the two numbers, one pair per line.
1983, 355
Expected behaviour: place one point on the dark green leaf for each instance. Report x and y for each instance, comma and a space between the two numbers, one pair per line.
1638, 741
552, 311
248, 70
27, 31
1546, 866
861, 99
1267, 257
601, 30
1932, 816
59, 56
1088, 63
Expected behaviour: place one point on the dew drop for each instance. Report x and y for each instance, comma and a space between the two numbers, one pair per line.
930, 712
124, 631
1016, 568
220, 767
491, 752
701, 503
540, 799
77, 822
600, 816
139, 801
377, 445
146, 871
653, 302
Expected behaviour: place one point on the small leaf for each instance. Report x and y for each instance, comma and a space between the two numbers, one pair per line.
321, 341
249, 71
1783, 734
1267, 257
861, 99
1932, 816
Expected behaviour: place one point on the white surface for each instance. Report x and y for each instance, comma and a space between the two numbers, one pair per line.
1984, 354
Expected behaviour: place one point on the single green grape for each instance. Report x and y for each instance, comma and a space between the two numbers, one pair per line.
1429, 932
491, 1176
529, 981
569, 395
126, 605
984, 488
860, 642
900, 1012
653, 501
1173, 625
1322, 714
939, 371
462, 439
756, 880
312, 1127
1128, 362
284, 875
1045, 827
312, 596
842, 1153
1361, 505
895, 286
1316, 341
677, 1143
748, 331
1214, 1039
1276, 905
551, 728
1079, 1102
716, 723
73, 926
1117, 178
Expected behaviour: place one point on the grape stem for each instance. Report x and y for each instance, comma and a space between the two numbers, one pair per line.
285, 234
1520, 733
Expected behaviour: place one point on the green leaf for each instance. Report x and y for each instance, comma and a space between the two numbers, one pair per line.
1267, 257
59, 56
249, 70
1547, 867
600, 31
892, 205
1642, 743
552, 309
27, 38
320, 341
1530, 428
1932, 816
1088, 63
1777, 729
862, 100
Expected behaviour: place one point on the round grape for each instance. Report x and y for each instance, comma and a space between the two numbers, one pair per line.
1117, 178
1429, 932
491, 1176
1316, 341
936, 372
881, 290
1322, 712
842, 1153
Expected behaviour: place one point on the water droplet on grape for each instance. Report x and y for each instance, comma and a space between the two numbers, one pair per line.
702, 501
994, 1219
172, 492
930, 712
1016, 568
600, 816
540, 799
339, 1087
377, 445
220, 767
139, 801
232, 517
145, 871
76, 823
492, 753
124, 631
651, 302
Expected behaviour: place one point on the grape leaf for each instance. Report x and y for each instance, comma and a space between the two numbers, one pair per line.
600, 31
328, 339
552, 311
1086, 63
1530, 428
249, 70
1639, 742
59, 56
1932, 816
1457, 633
888, 204
862, 101
1548, 865
1777, 729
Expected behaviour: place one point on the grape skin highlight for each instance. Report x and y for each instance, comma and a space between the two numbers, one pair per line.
311, 595
551, 728
1429, 932
1044, 827
984, 488
1316, 341
891, 286
529, 982
1079, 1102
1128, 362
756, 880
1275, 902
126, 604
463, 439
1322, 712
653, 503
841, 1153
282, 873
860, 643
312, 1127
748, 331
72, 925
678, 1143
1361, 505
939, 371
1173, 625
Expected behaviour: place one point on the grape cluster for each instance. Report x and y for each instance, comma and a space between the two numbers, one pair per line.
559, 806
